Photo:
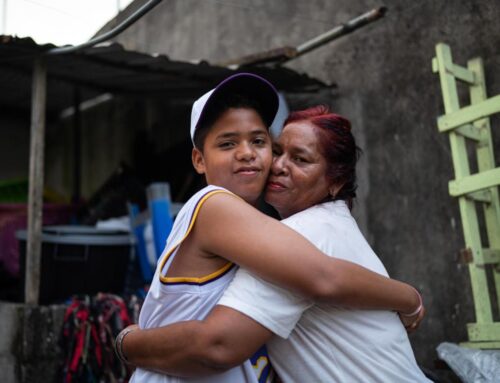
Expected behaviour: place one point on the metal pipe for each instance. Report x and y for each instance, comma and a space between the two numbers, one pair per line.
36, 175
279, 56
341, 30
110, 34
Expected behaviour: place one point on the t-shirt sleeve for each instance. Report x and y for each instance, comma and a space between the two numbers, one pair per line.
273, 307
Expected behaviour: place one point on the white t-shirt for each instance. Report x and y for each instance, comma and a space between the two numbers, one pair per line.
324, 343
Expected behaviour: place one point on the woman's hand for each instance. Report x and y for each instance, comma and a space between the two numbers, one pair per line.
412, 322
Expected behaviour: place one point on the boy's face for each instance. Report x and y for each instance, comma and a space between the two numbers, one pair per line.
236, 154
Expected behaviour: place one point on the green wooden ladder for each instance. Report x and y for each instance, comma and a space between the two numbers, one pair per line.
470, 125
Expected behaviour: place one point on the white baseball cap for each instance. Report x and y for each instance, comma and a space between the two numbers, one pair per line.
249, 85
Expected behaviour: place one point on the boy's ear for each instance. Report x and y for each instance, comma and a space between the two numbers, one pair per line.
198, 161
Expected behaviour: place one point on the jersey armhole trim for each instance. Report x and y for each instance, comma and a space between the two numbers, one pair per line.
194, 280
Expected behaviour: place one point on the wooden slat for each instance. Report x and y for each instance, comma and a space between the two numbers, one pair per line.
469, 114
491, 256
480, 196
459, 72
475, 182
484, 331
469, 131
463, 74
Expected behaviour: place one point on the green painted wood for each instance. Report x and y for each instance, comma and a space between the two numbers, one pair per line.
469, 131
459, 72
469, 114
486, 160
463, 74
443, 62
491, 256
483, 331
476, 182
481, 345
480, 196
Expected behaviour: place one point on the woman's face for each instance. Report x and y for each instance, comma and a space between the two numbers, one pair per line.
298, 174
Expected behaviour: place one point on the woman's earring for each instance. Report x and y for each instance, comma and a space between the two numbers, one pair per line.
332, 193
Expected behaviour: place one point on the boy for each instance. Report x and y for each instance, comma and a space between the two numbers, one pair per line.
230, 123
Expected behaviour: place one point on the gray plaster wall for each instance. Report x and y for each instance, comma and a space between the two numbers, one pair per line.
386, 87
29, 350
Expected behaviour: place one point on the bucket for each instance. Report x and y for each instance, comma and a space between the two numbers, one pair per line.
79, 260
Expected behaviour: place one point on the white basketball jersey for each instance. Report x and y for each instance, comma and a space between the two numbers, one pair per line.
171, 300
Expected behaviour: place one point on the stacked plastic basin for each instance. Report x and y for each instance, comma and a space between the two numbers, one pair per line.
79, 260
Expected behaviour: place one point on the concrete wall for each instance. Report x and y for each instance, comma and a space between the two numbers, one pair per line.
387, 89
29, 351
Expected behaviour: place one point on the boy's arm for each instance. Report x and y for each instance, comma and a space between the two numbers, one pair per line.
232, 229
226, 338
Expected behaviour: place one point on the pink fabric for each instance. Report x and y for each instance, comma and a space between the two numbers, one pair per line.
13, 217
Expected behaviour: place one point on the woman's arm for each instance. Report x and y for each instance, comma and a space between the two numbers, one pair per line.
232, 229
226, 338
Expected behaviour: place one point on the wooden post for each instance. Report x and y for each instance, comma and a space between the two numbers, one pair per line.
36, 174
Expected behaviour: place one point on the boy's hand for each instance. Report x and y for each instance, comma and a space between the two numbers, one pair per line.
133, 326
119, 349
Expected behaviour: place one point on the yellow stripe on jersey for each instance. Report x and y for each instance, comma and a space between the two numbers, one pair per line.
200, 280
259, 366
206, 278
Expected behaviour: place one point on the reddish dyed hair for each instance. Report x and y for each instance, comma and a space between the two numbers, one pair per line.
337, 145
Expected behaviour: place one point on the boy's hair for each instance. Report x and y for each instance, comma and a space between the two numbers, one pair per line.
217, 109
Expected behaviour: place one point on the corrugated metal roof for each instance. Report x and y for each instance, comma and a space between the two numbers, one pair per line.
113, 69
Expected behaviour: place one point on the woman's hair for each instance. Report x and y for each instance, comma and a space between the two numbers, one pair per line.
337, 145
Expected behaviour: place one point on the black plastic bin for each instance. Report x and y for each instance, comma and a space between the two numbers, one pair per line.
78, 260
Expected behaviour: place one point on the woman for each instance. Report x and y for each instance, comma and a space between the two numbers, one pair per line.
313, 175
312, 185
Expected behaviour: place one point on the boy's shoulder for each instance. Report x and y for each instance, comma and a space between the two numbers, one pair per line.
188, 215
199, 197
